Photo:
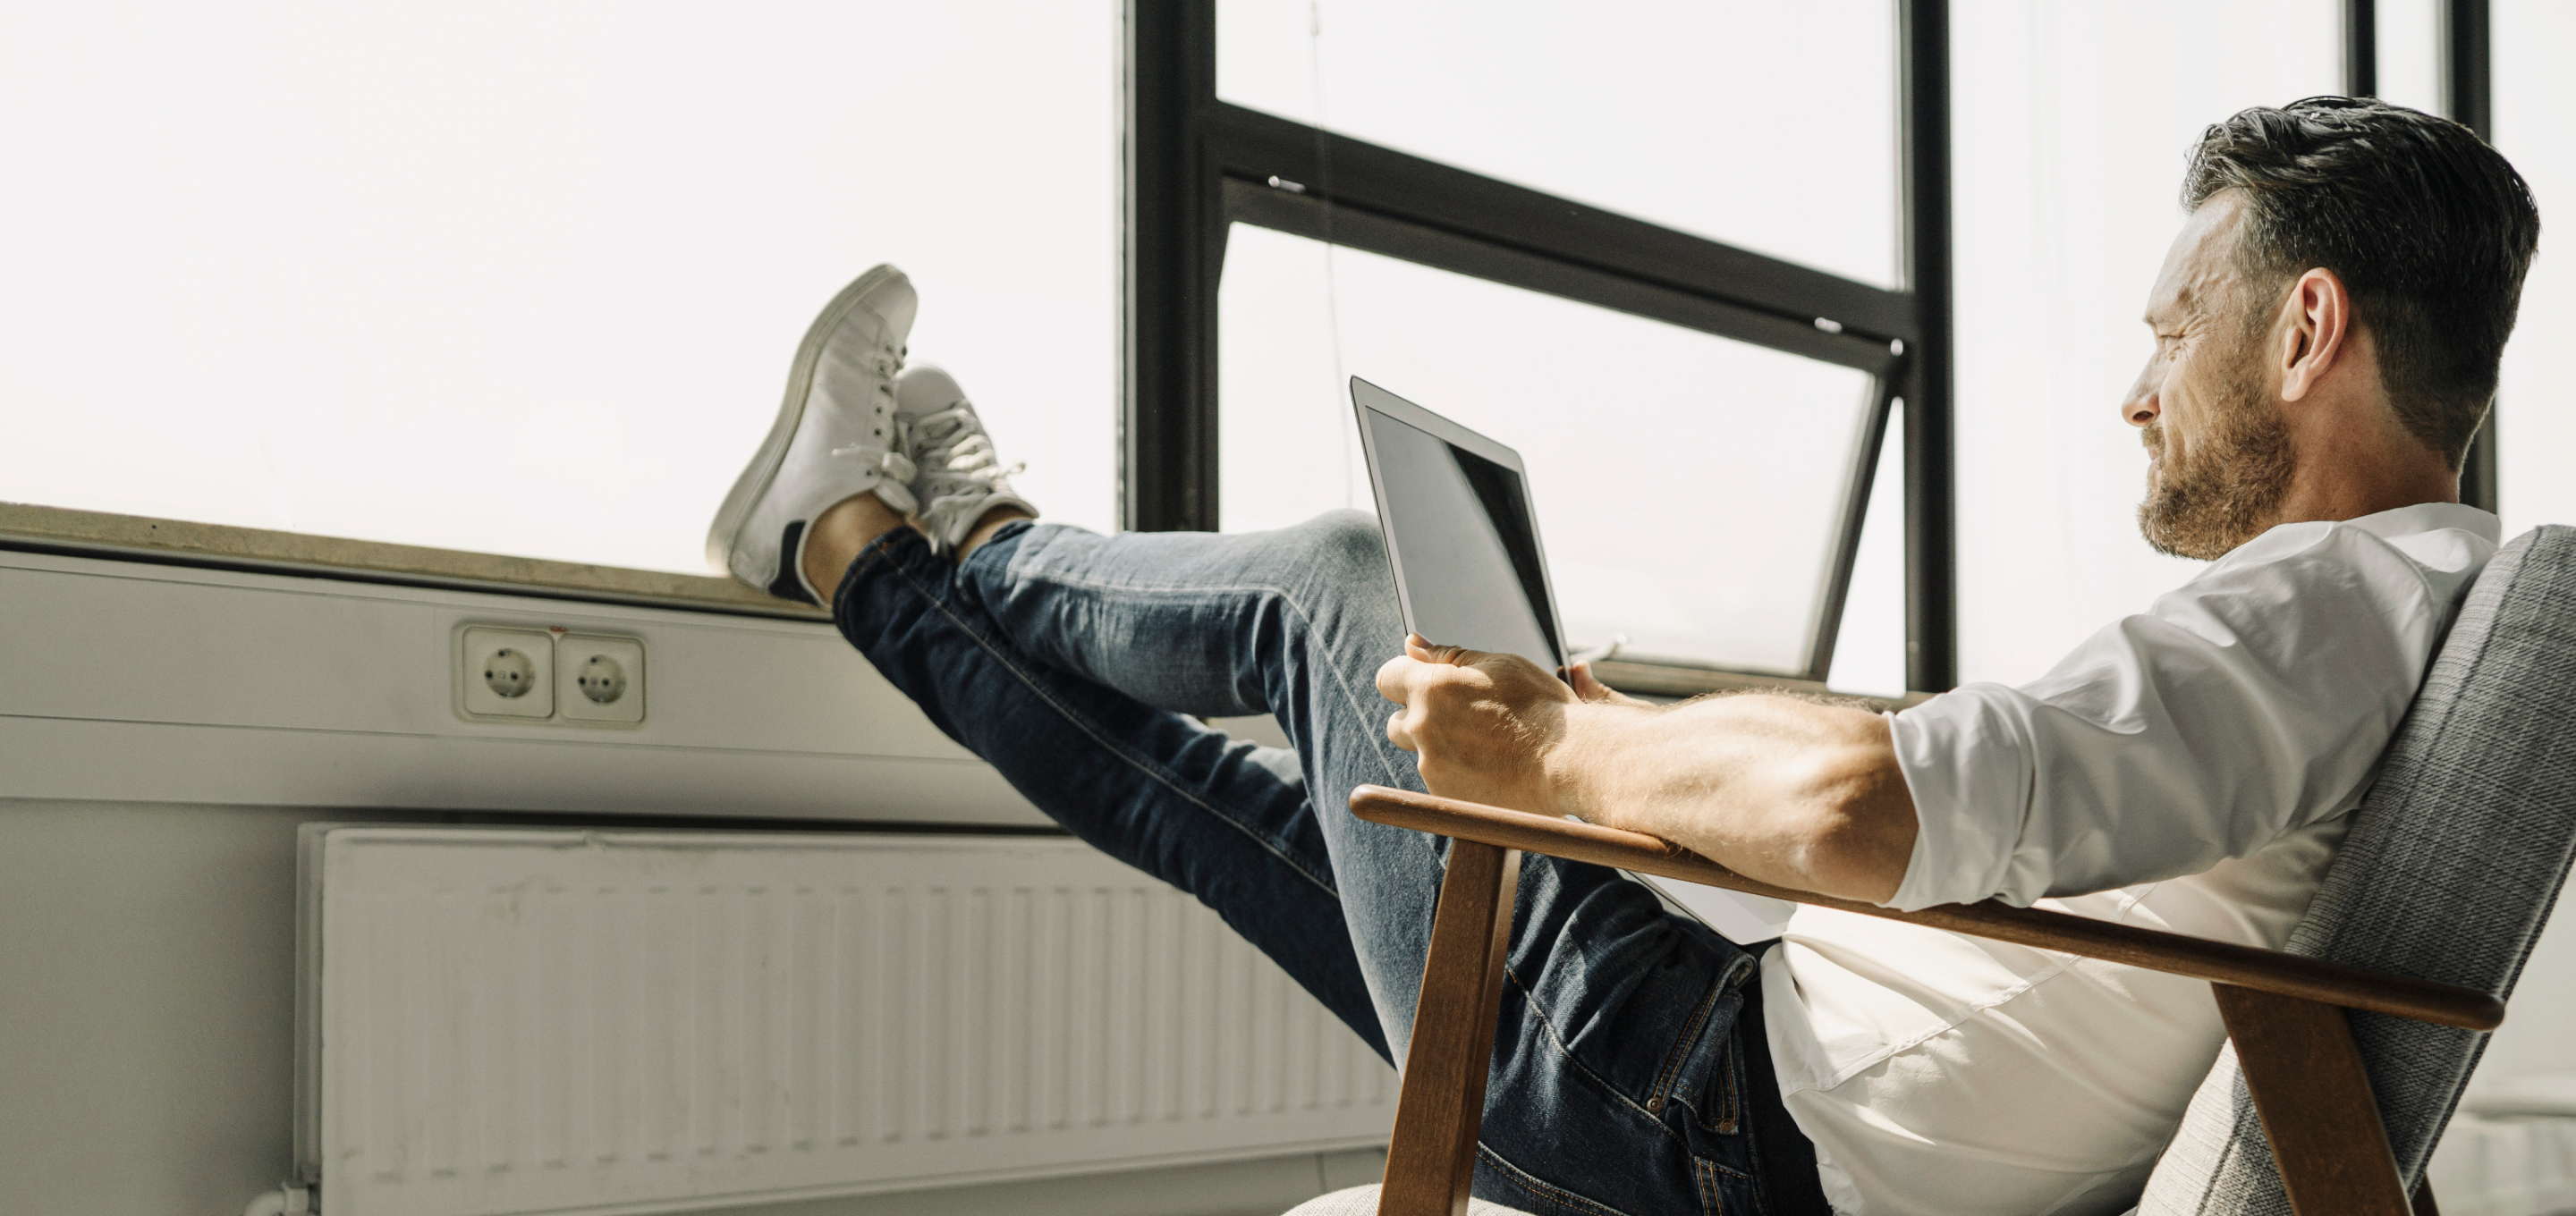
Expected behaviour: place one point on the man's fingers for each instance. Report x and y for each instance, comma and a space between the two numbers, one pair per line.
1399, 678
1398, 731
1407, 681
1422, 650
1395, 678
1586, 685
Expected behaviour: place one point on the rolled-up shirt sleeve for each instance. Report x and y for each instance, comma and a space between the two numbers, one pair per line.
2254, 699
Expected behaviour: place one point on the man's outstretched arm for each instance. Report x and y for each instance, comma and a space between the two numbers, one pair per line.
1789, 791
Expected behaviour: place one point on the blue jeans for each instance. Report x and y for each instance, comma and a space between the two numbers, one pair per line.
1630, 1074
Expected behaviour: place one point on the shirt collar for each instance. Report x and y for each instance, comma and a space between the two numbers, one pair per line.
2431, 517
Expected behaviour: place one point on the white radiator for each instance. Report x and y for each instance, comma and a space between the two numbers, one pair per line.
496, 1021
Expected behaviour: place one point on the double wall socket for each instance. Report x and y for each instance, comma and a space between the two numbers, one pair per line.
506, 674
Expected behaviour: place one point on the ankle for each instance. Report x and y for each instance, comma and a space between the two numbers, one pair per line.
992, 521
839, 534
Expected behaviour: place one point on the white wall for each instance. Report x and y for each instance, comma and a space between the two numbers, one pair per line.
2540, 1036
152, 682
149, 1002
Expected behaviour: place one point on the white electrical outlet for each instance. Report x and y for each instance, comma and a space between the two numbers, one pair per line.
505, 673
599, 679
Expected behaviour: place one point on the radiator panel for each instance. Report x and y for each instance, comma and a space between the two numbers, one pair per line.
546, 1021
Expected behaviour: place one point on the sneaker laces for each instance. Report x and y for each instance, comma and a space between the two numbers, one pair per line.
893, 464
960, 459
886, 458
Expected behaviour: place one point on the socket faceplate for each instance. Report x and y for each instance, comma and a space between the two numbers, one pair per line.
506, 674
599, 679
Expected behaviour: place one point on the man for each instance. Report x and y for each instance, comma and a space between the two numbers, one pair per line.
2327, 325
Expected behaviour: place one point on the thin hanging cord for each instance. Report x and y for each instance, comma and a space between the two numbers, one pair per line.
1324, 195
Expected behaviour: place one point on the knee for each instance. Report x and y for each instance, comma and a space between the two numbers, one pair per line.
1345, 552
1347, 547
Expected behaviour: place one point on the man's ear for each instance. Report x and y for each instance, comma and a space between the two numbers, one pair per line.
2319, 331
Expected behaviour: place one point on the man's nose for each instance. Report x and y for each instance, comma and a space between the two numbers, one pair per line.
2143, 403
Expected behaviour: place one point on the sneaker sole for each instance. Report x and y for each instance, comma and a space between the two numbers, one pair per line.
726, 532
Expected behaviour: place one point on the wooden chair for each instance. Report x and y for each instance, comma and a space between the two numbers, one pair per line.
2347, 1051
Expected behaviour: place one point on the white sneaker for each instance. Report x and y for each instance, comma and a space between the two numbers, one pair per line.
959, 478
836, 436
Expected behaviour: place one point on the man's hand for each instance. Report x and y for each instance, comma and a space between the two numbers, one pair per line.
1482, 724
1590, 688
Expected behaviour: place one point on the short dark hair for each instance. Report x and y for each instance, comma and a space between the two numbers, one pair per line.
2429, 228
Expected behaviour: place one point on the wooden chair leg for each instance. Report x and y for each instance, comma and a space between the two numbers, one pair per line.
2424, 1205
1431, 1158
2315, 1101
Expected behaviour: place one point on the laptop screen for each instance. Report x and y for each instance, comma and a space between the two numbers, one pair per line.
1459, 528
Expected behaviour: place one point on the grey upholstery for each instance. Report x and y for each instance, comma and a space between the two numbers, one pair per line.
1362, 1201
2453, 863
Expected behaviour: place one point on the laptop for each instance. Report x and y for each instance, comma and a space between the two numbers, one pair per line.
1470, 571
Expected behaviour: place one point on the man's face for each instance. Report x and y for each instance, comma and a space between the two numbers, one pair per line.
2218, 458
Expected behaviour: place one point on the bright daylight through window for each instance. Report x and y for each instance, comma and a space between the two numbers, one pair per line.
1687, 485
2534, 94
1690, 486
1667, 111
2070, 132
2070, 135
526, 278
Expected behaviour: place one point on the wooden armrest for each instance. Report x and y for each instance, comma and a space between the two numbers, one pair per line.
2271, 971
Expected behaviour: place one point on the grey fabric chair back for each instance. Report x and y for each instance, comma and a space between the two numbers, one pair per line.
2451, 868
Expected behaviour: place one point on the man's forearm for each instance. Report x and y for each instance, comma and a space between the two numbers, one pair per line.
1784, 790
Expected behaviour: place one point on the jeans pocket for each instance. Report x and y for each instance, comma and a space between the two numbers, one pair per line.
1703, 1093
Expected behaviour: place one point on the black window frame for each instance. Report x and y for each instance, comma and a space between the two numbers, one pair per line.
1193, 165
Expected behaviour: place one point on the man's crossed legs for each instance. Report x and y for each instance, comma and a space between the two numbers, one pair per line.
1630, 1073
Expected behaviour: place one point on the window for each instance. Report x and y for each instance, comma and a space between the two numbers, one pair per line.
2406, 53
1321, 189
2536, 433
1640, 108
2072, 128
526, 279
1690, 487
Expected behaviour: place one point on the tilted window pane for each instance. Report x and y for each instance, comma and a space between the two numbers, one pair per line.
1688, 486
527, 278
1764, 125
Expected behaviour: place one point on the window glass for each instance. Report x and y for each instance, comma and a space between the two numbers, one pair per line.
2535, 431
527, 278
2070, 126
1687, 485
1768, 126
2408, 34
1869, 653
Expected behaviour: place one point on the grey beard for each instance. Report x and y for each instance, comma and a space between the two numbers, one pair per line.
2233, 490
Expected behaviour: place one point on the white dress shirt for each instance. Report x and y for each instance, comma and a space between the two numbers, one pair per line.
2190, 769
